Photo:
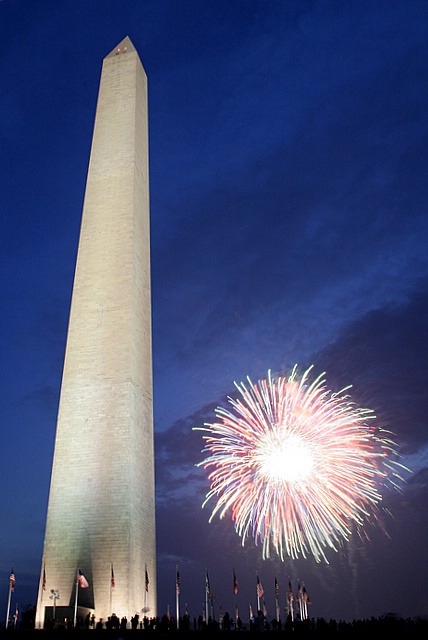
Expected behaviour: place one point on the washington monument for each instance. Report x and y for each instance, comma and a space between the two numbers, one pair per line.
99, 553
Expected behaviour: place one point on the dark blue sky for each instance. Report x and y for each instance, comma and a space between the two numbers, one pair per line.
289, 190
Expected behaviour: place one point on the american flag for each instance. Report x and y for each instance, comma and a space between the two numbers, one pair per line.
260, 590
84, 584
12, 580
44, 579
290, 592
147, 579
306, 597
178, 583
113, 581
207, 584
235, 584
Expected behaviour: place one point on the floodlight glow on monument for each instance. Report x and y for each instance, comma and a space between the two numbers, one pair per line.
297, 466
101, 509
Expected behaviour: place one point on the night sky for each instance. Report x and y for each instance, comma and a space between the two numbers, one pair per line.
289, 190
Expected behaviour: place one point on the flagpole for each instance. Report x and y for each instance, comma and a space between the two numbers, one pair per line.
306, 601
290, 599
75, 603
111, 590
8, 604
235, 591
177, 597
207, 596
43, 590
259, 593
301, 602
146, 586
41, 602
265, 611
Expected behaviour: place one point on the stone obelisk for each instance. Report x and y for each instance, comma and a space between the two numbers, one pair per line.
101, 508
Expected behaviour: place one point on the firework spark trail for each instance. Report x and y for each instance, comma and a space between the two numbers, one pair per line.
297, 465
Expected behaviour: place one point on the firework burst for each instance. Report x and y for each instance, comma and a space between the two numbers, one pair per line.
297, 465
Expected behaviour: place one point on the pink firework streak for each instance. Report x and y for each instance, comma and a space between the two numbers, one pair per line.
297, 465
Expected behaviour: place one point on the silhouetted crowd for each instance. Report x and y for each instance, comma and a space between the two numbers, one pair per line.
166, 626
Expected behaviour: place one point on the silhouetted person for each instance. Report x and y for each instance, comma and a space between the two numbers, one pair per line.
260, 621
226, 621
